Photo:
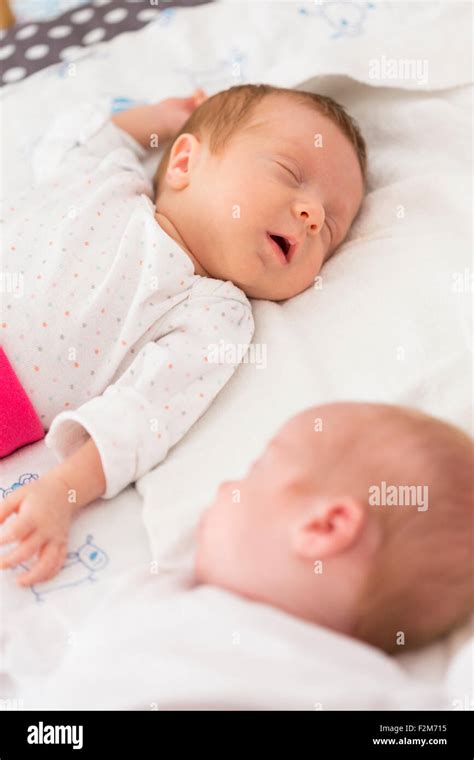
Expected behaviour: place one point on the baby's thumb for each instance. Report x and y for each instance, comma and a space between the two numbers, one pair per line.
199, 96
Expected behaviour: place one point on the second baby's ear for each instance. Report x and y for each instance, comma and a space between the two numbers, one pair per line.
327, 527
183, 158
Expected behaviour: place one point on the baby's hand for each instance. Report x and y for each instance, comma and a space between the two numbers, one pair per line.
41, 526
176, 111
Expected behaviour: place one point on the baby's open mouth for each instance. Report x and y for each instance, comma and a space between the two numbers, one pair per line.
282, 242
284, 245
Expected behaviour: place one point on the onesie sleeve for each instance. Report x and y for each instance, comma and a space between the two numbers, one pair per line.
169, 385
85, 135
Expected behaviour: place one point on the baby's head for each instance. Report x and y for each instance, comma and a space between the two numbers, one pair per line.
257, 161
357, 517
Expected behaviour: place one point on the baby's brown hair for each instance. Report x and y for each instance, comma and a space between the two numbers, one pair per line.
421, 583
225, 113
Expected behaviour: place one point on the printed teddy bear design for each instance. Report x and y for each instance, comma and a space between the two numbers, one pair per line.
27, 477
345, 18
80, 566
224, 73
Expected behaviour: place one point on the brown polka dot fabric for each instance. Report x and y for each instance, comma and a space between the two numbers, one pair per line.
29, 47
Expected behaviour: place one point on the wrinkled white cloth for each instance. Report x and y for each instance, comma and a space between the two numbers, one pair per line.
175, 646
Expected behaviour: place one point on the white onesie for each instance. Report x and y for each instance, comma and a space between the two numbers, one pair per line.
109, 330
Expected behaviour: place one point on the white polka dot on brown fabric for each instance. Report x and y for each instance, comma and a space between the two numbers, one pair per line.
5, 52
115, 16
13, 75
71, 53
27, 31
95, 35
30, 47
37, 51
147, 14
82, 16
58, 32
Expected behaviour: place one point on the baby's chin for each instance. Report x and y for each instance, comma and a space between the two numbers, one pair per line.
198, 575
199, 554
203, 555
207, 570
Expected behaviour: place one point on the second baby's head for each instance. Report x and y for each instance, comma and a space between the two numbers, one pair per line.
357, 517
262, 185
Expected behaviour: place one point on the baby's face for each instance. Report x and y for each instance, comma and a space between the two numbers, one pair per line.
290, 173
246, 525
261, 536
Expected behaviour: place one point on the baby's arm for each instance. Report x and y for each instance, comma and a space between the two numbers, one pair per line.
163, 392
82, 473
162, 120
45, 509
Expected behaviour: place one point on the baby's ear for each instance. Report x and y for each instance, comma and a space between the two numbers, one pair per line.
327, 526
183, 156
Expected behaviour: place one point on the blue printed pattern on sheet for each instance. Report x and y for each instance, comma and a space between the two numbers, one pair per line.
23, 480
81, 566
228, 71
345, 18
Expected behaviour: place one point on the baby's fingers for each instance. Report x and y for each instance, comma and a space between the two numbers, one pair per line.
9, 505
20, 553
18, 531
50, 561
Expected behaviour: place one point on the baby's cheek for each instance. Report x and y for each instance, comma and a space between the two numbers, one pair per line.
300, 281
315, 266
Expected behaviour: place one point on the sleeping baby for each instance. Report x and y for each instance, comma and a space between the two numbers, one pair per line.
357, 517
127, 285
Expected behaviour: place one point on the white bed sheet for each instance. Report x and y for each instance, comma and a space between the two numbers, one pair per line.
389, 323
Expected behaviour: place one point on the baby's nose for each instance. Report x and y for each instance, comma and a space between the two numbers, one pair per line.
311, 214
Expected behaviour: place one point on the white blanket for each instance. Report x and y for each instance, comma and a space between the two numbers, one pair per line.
174, 648
390, 323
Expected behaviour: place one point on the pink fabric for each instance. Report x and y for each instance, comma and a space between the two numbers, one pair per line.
19, 423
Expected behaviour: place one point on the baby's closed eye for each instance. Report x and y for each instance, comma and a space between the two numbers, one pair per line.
289, 171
